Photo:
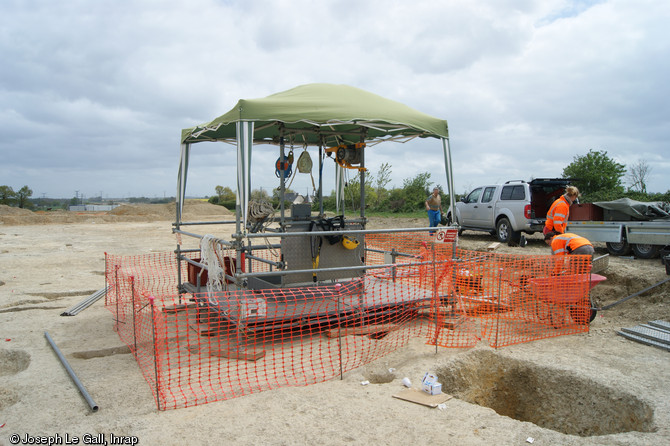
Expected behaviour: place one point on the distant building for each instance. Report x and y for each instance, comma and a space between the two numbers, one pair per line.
93, 207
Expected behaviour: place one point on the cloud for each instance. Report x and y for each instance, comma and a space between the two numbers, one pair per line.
95, 94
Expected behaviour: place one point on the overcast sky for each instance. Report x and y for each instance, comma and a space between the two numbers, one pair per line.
95, 93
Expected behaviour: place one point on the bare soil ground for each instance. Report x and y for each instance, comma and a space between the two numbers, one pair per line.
593, 388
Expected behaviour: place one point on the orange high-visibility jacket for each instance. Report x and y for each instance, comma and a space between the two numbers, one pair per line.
561, 243
557, 217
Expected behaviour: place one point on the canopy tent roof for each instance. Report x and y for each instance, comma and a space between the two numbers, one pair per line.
323, 115
320, 114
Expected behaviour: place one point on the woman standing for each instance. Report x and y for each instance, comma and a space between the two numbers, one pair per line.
557, 217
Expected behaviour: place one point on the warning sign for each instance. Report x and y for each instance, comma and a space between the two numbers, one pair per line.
446, 235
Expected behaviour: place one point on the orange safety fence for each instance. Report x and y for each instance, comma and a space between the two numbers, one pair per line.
196, 346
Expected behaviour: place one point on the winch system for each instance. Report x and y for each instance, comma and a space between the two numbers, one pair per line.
347, 155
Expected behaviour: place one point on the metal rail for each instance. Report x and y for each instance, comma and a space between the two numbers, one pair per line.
342, 231
73, 311
620, 301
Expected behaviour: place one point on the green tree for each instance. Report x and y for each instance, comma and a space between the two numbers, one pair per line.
259, 195
416, 191
352, 194
22, 196
7, 195
380, 181
598, 176
224, 193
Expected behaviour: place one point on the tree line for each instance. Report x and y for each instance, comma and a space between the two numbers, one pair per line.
598, 177
19, 198
22, 199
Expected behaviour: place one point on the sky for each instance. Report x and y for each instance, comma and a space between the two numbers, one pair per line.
94, 94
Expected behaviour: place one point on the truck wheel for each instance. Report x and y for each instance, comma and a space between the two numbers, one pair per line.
618, 249
504, 231
644, 251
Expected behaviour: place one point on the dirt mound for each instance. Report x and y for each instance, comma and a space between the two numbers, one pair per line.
143, 210
194, 210
9, 210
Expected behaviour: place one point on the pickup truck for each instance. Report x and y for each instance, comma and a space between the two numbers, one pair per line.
506, 210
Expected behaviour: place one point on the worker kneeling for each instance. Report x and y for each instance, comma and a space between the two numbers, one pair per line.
568, 243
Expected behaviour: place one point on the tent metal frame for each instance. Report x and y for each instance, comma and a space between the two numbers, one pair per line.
288, 132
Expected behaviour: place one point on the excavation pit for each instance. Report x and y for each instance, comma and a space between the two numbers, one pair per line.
550, 398
13, 362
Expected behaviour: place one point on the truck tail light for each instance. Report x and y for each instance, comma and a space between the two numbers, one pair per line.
526, 211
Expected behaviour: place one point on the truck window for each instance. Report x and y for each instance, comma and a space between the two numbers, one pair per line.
516, 192
473, 197
488, 194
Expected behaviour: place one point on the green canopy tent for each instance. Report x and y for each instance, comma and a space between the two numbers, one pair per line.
323, 115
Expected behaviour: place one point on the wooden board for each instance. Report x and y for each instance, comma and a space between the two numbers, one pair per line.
493, 246
363, 330
419, 397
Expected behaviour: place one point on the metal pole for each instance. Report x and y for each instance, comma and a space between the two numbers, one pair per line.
607, 307
82, 390
362, 176
178, 250
153, 337
339, 329
450, 177
282, 178
106, 283
436, 298
320, 178
500, 270
132, 296
116, 274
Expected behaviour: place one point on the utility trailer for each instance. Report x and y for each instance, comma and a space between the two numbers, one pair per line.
626, 226
644, 239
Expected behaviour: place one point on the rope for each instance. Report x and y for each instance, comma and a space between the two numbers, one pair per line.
210, 253
259, 211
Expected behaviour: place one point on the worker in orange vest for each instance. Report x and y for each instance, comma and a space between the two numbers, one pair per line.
557, 217
568, 243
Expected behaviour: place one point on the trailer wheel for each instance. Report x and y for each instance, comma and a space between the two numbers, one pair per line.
644, 251
618, 249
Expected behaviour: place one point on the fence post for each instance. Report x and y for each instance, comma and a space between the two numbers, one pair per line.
132, 296
436, 298
500, 270
118, 294
338, 288
153, 337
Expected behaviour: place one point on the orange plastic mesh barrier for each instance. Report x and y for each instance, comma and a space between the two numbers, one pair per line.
196, 346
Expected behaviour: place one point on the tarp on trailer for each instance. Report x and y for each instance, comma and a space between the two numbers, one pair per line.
639, 210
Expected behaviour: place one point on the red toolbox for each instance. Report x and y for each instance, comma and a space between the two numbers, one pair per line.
193, 270
586, 212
